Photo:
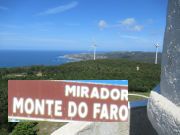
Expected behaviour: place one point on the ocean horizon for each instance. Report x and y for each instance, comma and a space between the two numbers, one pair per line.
22, 58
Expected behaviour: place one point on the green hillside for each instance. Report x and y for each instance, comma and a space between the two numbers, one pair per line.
142, 81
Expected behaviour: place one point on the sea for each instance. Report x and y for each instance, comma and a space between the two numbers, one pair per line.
21, 58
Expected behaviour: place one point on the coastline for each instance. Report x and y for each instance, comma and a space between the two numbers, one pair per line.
15, 59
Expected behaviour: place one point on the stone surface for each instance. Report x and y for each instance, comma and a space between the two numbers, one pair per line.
164, 115
164, 110
93, 128
170, 76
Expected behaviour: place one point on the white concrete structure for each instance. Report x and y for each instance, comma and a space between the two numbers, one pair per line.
164, 115
93, 128
170, 78
164, 108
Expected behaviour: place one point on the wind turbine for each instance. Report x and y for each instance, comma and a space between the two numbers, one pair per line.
157, 46
94, 50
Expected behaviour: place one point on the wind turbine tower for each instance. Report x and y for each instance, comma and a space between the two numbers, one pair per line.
94, 48
157, 46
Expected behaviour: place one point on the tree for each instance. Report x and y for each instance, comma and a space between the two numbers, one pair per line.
25, 128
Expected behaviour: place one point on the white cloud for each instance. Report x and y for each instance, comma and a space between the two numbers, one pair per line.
128, 21
102, 24
3, 8
131, 24
59, 9
137, 28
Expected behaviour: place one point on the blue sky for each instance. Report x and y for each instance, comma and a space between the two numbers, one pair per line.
115, 25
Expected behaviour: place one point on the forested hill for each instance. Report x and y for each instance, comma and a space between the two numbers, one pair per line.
143, 80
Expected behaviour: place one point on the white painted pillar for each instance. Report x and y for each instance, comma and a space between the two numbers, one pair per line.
164, 109
170, 77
